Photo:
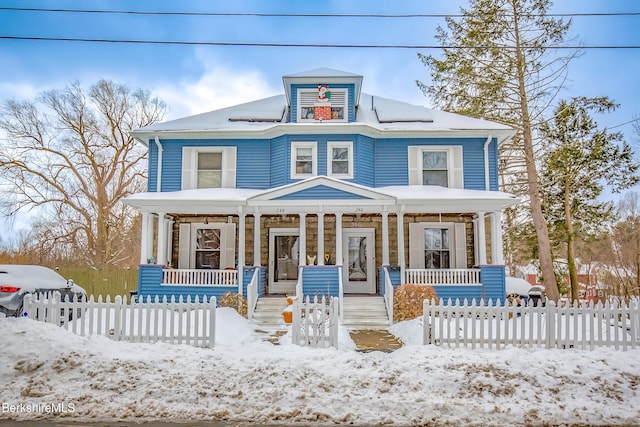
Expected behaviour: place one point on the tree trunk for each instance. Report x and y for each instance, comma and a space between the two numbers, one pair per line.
571, 249
539, 222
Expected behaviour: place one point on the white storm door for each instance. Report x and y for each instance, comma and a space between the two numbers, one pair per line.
358, 264
283, 260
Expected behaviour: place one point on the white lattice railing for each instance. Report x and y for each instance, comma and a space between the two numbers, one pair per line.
457, 276
197, 277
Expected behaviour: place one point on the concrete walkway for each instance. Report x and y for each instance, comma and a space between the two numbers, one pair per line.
375, 340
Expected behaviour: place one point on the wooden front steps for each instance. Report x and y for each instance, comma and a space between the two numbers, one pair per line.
365, 312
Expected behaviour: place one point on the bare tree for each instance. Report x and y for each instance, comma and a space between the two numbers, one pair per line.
68, 154
497, 64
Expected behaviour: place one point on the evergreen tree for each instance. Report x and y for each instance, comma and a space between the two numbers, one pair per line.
498, 63
581, 160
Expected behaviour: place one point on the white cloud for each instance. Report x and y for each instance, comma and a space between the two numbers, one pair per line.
218, 87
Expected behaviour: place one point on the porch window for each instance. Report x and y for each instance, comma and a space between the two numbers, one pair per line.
437, 248
207, 246
436, 165
340, 159
208, 167
437, 245
304, 159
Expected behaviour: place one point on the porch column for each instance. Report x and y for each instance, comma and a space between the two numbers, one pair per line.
145, 239
482, 241
320, 254
256, 239
162, 239
385, 237
338, 260
302, 240
400, 217
497, 251
241, 241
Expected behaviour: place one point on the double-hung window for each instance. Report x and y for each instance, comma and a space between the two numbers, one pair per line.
206, 245
436, 165
437, 245
340, 159
304, 160
208, 167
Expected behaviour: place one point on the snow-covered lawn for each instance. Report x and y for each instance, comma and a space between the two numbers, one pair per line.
49, 373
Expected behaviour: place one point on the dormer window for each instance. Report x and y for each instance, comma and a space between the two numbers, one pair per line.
322, 104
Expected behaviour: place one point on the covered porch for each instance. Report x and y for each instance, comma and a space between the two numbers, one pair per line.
324, 236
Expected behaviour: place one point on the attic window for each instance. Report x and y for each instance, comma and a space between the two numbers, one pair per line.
322, 104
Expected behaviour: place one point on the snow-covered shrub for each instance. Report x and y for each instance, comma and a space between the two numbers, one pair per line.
408, 300
234, 300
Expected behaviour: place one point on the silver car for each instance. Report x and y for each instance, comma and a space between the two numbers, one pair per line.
18, 280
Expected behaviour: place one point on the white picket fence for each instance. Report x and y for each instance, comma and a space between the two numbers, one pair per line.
176, 321
583, 326
315, 323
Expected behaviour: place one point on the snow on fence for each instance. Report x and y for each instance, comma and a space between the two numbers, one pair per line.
315, 323
181, 321
585, 326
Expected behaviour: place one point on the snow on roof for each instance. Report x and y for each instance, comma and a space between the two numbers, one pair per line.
375, 113
323, 72
429, 198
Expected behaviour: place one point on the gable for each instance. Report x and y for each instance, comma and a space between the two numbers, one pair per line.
321, 192
321, 188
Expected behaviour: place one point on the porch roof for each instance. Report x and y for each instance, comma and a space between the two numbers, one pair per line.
323, 194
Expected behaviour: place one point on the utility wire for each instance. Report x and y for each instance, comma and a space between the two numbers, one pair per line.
312, 45
302, 15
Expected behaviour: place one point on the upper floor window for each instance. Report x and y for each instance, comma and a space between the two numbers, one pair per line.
323, 103
208, 167
340, 159
209, 170
304, 159
436, 165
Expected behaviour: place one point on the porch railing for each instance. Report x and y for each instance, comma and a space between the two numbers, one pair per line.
340, 295
199, 277
458, 276
388, 294
252, 293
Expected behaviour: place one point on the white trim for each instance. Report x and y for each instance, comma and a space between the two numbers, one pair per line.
482, 240
159, 166
190, 165
455, 173
350, 164
294, 159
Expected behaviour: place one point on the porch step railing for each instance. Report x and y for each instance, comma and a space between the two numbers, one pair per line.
458, 276
199, 277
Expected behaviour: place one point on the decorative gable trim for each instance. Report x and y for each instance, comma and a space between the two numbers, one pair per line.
322, 184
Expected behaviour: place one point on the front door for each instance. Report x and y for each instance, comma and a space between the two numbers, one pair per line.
359, 260
283, 260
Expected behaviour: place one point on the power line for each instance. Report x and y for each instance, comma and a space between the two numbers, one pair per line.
300, 15
312, 45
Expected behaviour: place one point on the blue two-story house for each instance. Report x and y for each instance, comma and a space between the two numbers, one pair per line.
322, 190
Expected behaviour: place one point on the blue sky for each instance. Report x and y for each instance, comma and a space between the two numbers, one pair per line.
194, 79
